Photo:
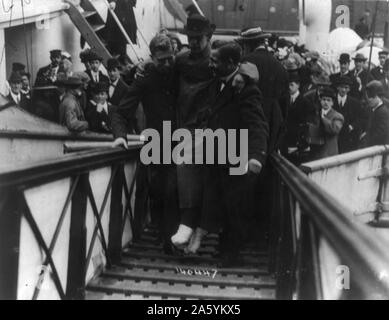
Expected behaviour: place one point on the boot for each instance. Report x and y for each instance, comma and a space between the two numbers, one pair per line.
182, 236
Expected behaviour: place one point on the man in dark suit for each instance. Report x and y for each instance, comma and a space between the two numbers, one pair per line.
15, 95
155, 89
344, 61
117, 87
48, 74
125, 13
95, 73
378, 72
377, 132
385, 80
273, 78
225, 195
354, 116
360, 73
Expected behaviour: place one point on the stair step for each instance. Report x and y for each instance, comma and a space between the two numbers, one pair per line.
203, 250
191, 258
209, 279
87, 14
162, 265
91, 295
179, 290
98, 27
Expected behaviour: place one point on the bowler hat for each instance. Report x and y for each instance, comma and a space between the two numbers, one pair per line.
92, 56
15, 78
198, 25
344, 58
17, 66
113, 64
56, 53
72, 82
328, 92
384, 52
359, 57
343, 80
253, 34
294, 77
374, 88
100, 87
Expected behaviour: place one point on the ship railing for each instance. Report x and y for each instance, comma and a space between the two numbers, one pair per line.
62, 221
317, 250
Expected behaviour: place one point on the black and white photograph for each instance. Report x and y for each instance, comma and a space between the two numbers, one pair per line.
218, 150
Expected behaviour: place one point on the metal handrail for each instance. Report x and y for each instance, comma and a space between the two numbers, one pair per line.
360, 248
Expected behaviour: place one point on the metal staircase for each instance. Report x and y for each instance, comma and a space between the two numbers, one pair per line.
92, 27
145, 272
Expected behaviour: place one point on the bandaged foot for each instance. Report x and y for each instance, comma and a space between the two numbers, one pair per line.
195, 241
182, 236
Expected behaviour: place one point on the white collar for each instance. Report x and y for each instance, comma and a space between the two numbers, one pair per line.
16, 97
378, 105
325, 112
115, 82
295, 95
342, 99
230, 76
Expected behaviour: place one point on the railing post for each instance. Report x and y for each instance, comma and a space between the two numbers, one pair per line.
9, 245
115, 220
75, 288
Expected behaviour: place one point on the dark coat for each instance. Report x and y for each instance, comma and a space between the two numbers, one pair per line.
157, 95
193, 78
273, 77
385, 84
102, 77
377, 132
119, 93
331, 125
224, 194
297, 116
365, 79
42, 76
98, 121
354, 92
378, 73
25, 101
355, 117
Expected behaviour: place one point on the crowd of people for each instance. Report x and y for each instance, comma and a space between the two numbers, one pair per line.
277, 90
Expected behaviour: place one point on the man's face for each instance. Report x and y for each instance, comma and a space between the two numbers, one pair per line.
372, 102
382, 58
114, 74
25, 82
16, 87
326, 103
343, 90
198, 44
293, 87
55, 60
221, 69
100, 97
95, 65
344, 67
359, 64
164, 64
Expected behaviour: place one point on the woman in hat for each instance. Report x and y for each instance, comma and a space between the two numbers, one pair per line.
330, 124
98, 111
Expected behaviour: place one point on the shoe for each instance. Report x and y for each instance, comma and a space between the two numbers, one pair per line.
182, 237
195, 241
